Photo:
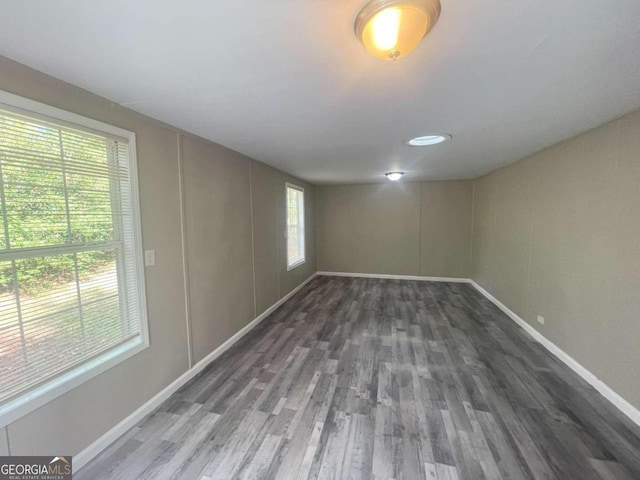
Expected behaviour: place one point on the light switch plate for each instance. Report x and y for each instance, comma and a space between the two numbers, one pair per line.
149, 258
541, 319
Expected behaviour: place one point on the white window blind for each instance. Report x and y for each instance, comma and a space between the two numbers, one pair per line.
70, 275
295, 226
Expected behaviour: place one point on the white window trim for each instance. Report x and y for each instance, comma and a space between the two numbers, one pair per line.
286, 232
32, 399
296, 265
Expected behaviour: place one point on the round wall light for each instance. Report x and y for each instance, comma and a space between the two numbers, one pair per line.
394, 176
390, 29
427, 140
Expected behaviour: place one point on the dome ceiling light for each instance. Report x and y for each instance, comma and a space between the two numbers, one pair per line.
394, 176
391, 29
428, 140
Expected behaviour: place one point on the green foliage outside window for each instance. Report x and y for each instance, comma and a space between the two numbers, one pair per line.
53, 206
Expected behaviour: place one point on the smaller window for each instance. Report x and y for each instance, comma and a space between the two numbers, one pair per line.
295, 226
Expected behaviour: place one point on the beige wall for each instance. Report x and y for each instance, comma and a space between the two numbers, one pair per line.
219, 243
396, 228
445, 229
222, 229
266, 238
269, 221
558, 235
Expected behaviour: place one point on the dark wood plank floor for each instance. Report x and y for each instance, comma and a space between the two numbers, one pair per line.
385, 379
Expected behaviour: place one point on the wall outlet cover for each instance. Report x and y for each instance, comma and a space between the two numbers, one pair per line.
149, 258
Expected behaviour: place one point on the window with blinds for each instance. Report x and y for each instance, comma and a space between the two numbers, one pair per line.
71, 286
295, 226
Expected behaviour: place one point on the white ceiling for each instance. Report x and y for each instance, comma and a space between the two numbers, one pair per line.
286, 82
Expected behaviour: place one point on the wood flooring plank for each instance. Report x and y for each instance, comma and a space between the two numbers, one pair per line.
262, 458
385, 379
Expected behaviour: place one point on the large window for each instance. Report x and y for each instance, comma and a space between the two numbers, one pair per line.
71, 283
295, 226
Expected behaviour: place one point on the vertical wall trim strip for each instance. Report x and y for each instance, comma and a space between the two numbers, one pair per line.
185, 262
253, 241
420, 232
527, 290
280, 229
316, 244
473, 220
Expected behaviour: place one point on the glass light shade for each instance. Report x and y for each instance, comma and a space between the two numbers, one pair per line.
391, 29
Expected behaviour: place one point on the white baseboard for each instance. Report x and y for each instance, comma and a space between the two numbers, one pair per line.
93, 450
623, 405
394, 277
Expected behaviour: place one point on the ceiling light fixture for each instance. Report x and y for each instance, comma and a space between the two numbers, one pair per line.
428, 140
394, 176
390, 29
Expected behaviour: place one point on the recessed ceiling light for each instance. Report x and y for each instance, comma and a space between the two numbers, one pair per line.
390, 29
427, 140
394, 176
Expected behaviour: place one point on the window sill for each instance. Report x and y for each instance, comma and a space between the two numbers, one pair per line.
296, 265
22, 405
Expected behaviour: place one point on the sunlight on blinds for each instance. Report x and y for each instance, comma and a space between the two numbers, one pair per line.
68, 288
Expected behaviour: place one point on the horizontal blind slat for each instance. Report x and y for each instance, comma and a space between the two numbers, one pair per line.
34, 380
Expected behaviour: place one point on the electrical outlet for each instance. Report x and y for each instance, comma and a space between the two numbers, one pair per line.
541, 319
149, 258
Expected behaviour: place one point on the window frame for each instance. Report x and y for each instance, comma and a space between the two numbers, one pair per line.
33, 398
301, 220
